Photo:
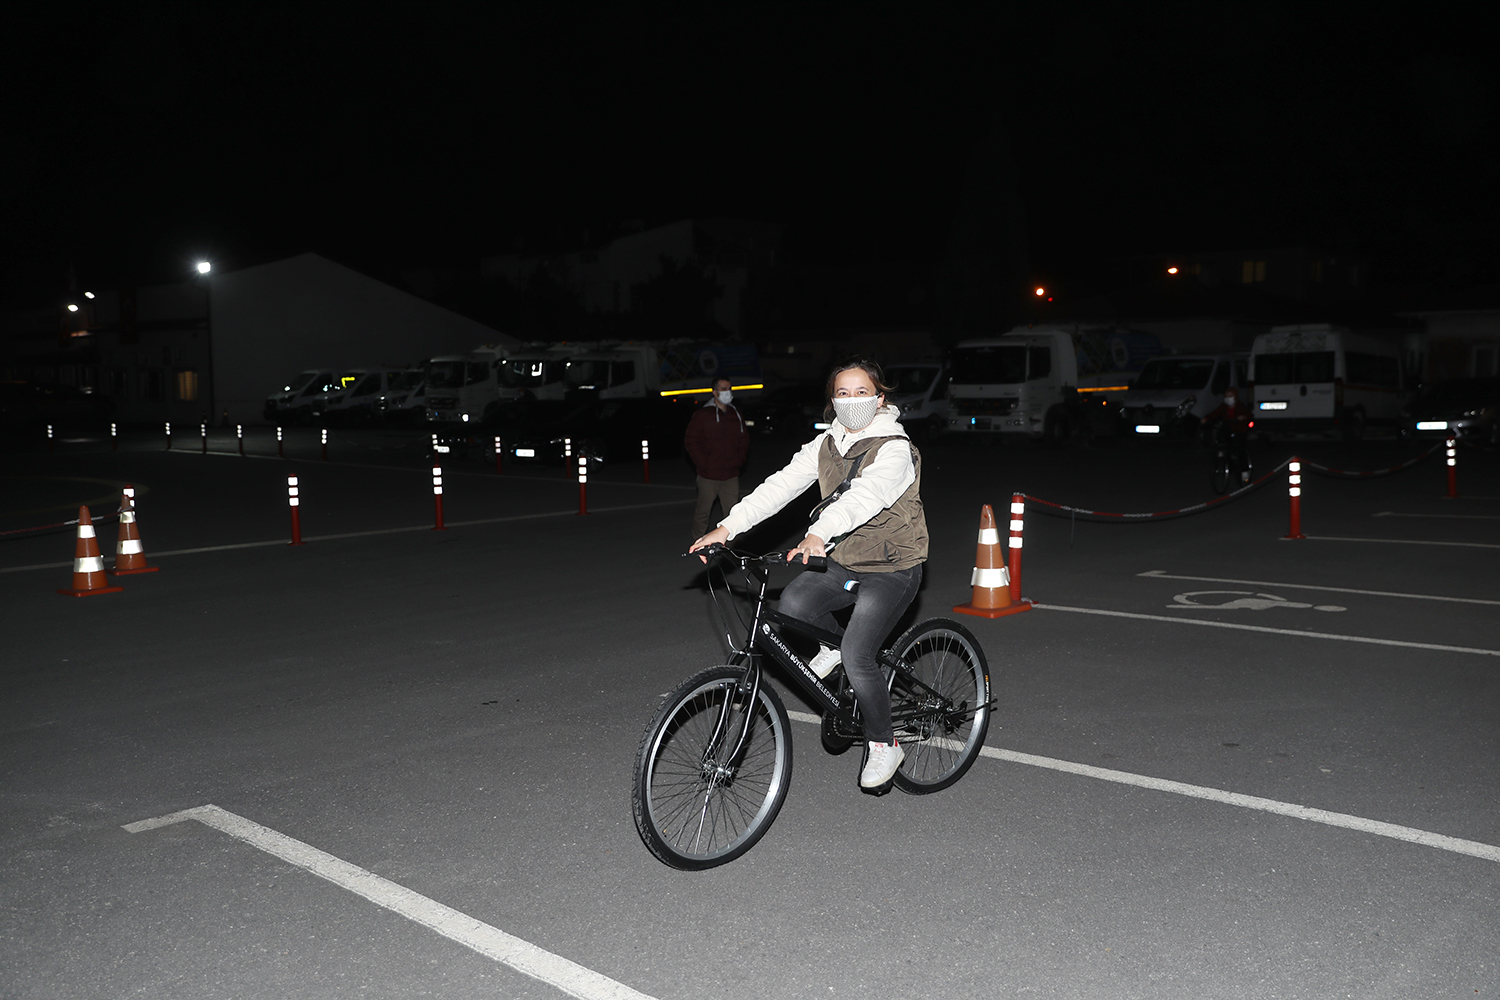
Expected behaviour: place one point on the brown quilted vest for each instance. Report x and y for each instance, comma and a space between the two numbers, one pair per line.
896, 537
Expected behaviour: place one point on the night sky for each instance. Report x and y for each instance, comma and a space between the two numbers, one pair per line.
139, 137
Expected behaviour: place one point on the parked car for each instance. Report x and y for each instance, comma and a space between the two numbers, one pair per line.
1462, 407
1173, 393
788, 411
32, 404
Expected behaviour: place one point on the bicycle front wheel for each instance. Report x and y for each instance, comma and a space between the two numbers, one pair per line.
942, 711
1220, 480
697, 802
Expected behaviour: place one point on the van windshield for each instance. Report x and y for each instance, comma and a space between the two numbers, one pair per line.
1175, 373
976, 365
1302, 366
907, 381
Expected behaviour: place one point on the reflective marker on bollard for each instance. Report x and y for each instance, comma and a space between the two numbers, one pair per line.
169, 435
437, 498
1294, 495
583, 484
114, 437
239, 430
498, 452
203, 433
645, 461
49, 437
325, 444
280, 448
1452, 468
567, 456
1017, 523
291, 499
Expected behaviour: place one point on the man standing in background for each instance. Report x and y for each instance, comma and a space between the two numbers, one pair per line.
716, 441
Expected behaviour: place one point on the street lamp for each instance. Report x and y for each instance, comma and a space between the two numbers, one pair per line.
203, 268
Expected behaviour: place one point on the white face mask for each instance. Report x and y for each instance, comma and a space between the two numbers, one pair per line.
724, 396
857, 412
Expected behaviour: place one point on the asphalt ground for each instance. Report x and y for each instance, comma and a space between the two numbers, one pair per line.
419, 743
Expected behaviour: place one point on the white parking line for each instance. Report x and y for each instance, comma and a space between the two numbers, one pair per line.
376, 531
1457, 517
493, 943
1409, 834
1397, 541
1161, 574
1200, 623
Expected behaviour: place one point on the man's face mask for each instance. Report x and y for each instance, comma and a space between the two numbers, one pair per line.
725, 396
856, 413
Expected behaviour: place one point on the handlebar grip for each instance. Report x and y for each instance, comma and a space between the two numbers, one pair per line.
813, 562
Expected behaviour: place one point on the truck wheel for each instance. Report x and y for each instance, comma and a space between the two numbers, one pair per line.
1055, 428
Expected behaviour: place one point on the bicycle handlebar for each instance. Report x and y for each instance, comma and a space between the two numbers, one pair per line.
768, 560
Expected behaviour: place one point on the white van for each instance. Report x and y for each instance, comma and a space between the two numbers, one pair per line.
1173, 393
920, 391
1319, 377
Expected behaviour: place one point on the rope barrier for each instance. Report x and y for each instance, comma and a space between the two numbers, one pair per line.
1358, 474
1058, 510
59, 524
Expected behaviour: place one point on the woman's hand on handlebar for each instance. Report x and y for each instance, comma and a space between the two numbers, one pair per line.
812, 545
718, 536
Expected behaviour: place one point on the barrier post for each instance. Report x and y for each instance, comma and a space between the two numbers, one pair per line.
292, 500
437, 498
114, 437
583, 484
1453, 468
499, 452
567, 456
280, 448
1294, 495
169, 435
203, 433
645, 461
49, 437
1017, 523
239, 431
325, 444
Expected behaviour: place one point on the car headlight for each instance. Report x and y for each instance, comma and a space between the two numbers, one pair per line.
1184, 407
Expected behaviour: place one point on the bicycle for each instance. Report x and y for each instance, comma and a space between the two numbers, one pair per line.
1231, 462
715, 763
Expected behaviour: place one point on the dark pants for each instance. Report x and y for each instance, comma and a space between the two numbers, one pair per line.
879, 602
726, 491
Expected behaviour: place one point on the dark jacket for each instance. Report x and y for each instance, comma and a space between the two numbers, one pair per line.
717, 441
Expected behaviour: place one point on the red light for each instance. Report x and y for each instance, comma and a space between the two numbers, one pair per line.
1171, 270
1252, 423
1040, 292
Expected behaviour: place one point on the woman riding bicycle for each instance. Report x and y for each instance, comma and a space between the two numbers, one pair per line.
873, 532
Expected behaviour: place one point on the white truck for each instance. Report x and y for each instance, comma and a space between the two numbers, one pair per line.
469, 388
1049, 382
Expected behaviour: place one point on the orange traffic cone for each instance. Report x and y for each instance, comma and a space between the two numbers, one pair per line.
990, 581
130, 556
88, 565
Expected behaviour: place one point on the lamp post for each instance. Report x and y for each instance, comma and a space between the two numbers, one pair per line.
204, 269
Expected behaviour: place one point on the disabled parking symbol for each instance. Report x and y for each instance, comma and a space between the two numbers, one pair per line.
1242, 600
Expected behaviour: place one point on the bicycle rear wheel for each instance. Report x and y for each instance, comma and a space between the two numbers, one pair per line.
939, 723
1220, 480
694, 807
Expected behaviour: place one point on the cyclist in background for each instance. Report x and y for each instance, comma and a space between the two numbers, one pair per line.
1230, 422
871, 527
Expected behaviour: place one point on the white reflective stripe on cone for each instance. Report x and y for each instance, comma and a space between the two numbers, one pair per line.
88, 564
85, 531
991, 578
129, 547
127, 517
989, 536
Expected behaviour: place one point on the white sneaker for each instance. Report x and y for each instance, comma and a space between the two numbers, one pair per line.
825, 661
881, 765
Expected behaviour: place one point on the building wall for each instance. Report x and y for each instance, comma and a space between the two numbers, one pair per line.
272, 321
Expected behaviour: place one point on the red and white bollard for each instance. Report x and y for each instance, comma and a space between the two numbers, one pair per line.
293, 501
203, 433
114, 437
583, 484
645, 461
1013, 545
169, 435
239, 432
1453, 468
1294, 495
325, 444
49, 437
499, 451
280, 448
437, 498
567, 456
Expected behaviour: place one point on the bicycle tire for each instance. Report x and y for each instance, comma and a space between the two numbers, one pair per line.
692, 810
941, 730
1220, 480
